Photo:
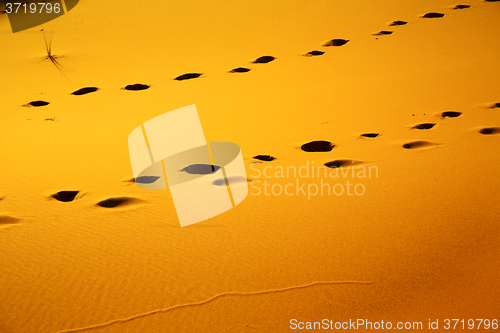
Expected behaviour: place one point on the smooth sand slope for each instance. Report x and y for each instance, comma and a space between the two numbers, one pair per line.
410, 89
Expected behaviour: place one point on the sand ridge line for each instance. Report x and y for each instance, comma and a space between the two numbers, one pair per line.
231, 293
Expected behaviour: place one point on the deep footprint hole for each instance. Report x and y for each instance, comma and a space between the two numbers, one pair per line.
188, 76
370, 135
490, 130
264, 60
65, 196
239, 70
38, 103
424, 126
341, 163
267, 158
317, 146
115, 202
336, 42
433, 15
417, 144
396, 23
136, 87
314, 53
450, 114
145, 179
201, 169
383, 32
84, 91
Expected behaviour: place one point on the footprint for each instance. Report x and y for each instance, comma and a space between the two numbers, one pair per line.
341, 163
313, 53
488, 105
145, 179
201, 169
188, 76
383, 32
7, 220
396, 23
263, 60
232, 180
418, 144
335, 42
317, 146
433, 15
37, 103
490, 130
460, 7
84, 91
369, 135
119, 202
239, 70
136, 87
450, 114
267, 158
424, 126
141, 179
65, 196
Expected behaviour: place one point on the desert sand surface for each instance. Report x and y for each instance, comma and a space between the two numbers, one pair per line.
84, 249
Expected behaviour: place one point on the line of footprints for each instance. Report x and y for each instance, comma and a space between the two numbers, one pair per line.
313, 146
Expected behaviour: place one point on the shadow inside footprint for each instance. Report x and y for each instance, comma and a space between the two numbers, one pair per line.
118, 202
396, 23
84, 91
433, 15
424, 126
335, 42
146, 179
267, 158
317, 146
341, 163
369, 135
239, 70
187, 76
6, 220
136, 87
314, 53
383, 32
201, 169
232, 181
263, 60
37, 103
65, 196
490, 130
450, 114
461, 7
418, 144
